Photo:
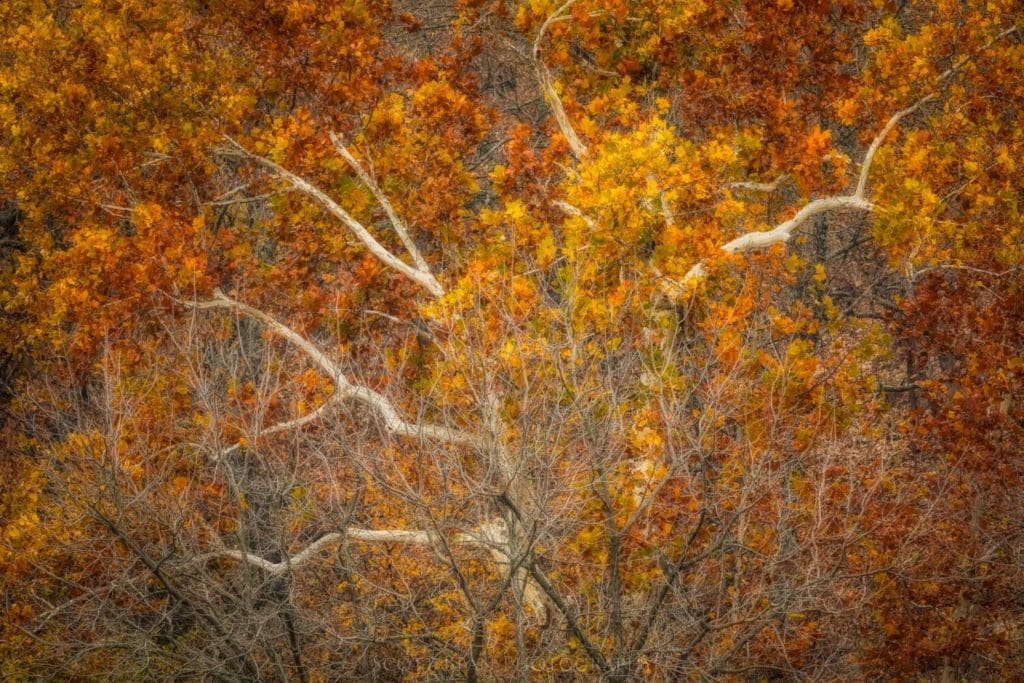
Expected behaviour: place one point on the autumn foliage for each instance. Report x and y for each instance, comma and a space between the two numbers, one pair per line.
513, 340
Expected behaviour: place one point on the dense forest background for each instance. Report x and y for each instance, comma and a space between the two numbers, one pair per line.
503, 340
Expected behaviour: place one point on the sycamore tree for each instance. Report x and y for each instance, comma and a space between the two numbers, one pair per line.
605, 339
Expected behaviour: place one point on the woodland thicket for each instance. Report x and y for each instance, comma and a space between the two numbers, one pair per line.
511, 340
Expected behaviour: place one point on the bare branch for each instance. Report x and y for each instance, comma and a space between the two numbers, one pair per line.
569, 614
658, 599
344, 389
880, 138
396, 222
767, 188
303, 556
490, 536
547, 84
552, 18
869, 156
783, 231
421, 277
287, 425
222, 300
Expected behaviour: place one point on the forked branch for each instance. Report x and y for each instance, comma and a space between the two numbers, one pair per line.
343, 388
781, 233
420, 274
396, 222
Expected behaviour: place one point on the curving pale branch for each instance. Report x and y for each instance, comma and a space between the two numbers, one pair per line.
781, 233
287, 425
876, 143
869, 156
322, 543
343, 388
396, 221
419, 274
491, 537
547, 84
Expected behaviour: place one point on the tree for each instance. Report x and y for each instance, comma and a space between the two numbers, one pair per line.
613, 339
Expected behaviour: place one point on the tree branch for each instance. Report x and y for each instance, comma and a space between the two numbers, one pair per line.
396, 222
767, 188
286, 425
662, 593
569, 615
490, 537
877, 142
322, 543
424, 278
547, 84
858, 200
869, 156
344, 389
783, 231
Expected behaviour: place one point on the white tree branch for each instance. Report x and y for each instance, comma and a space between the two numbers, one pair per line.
303, 556
877, 142
344, 389
767, 188
783, 231
424, 278
396, 222
547, 84
491, 536
869, 156
287, 425
222, 300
